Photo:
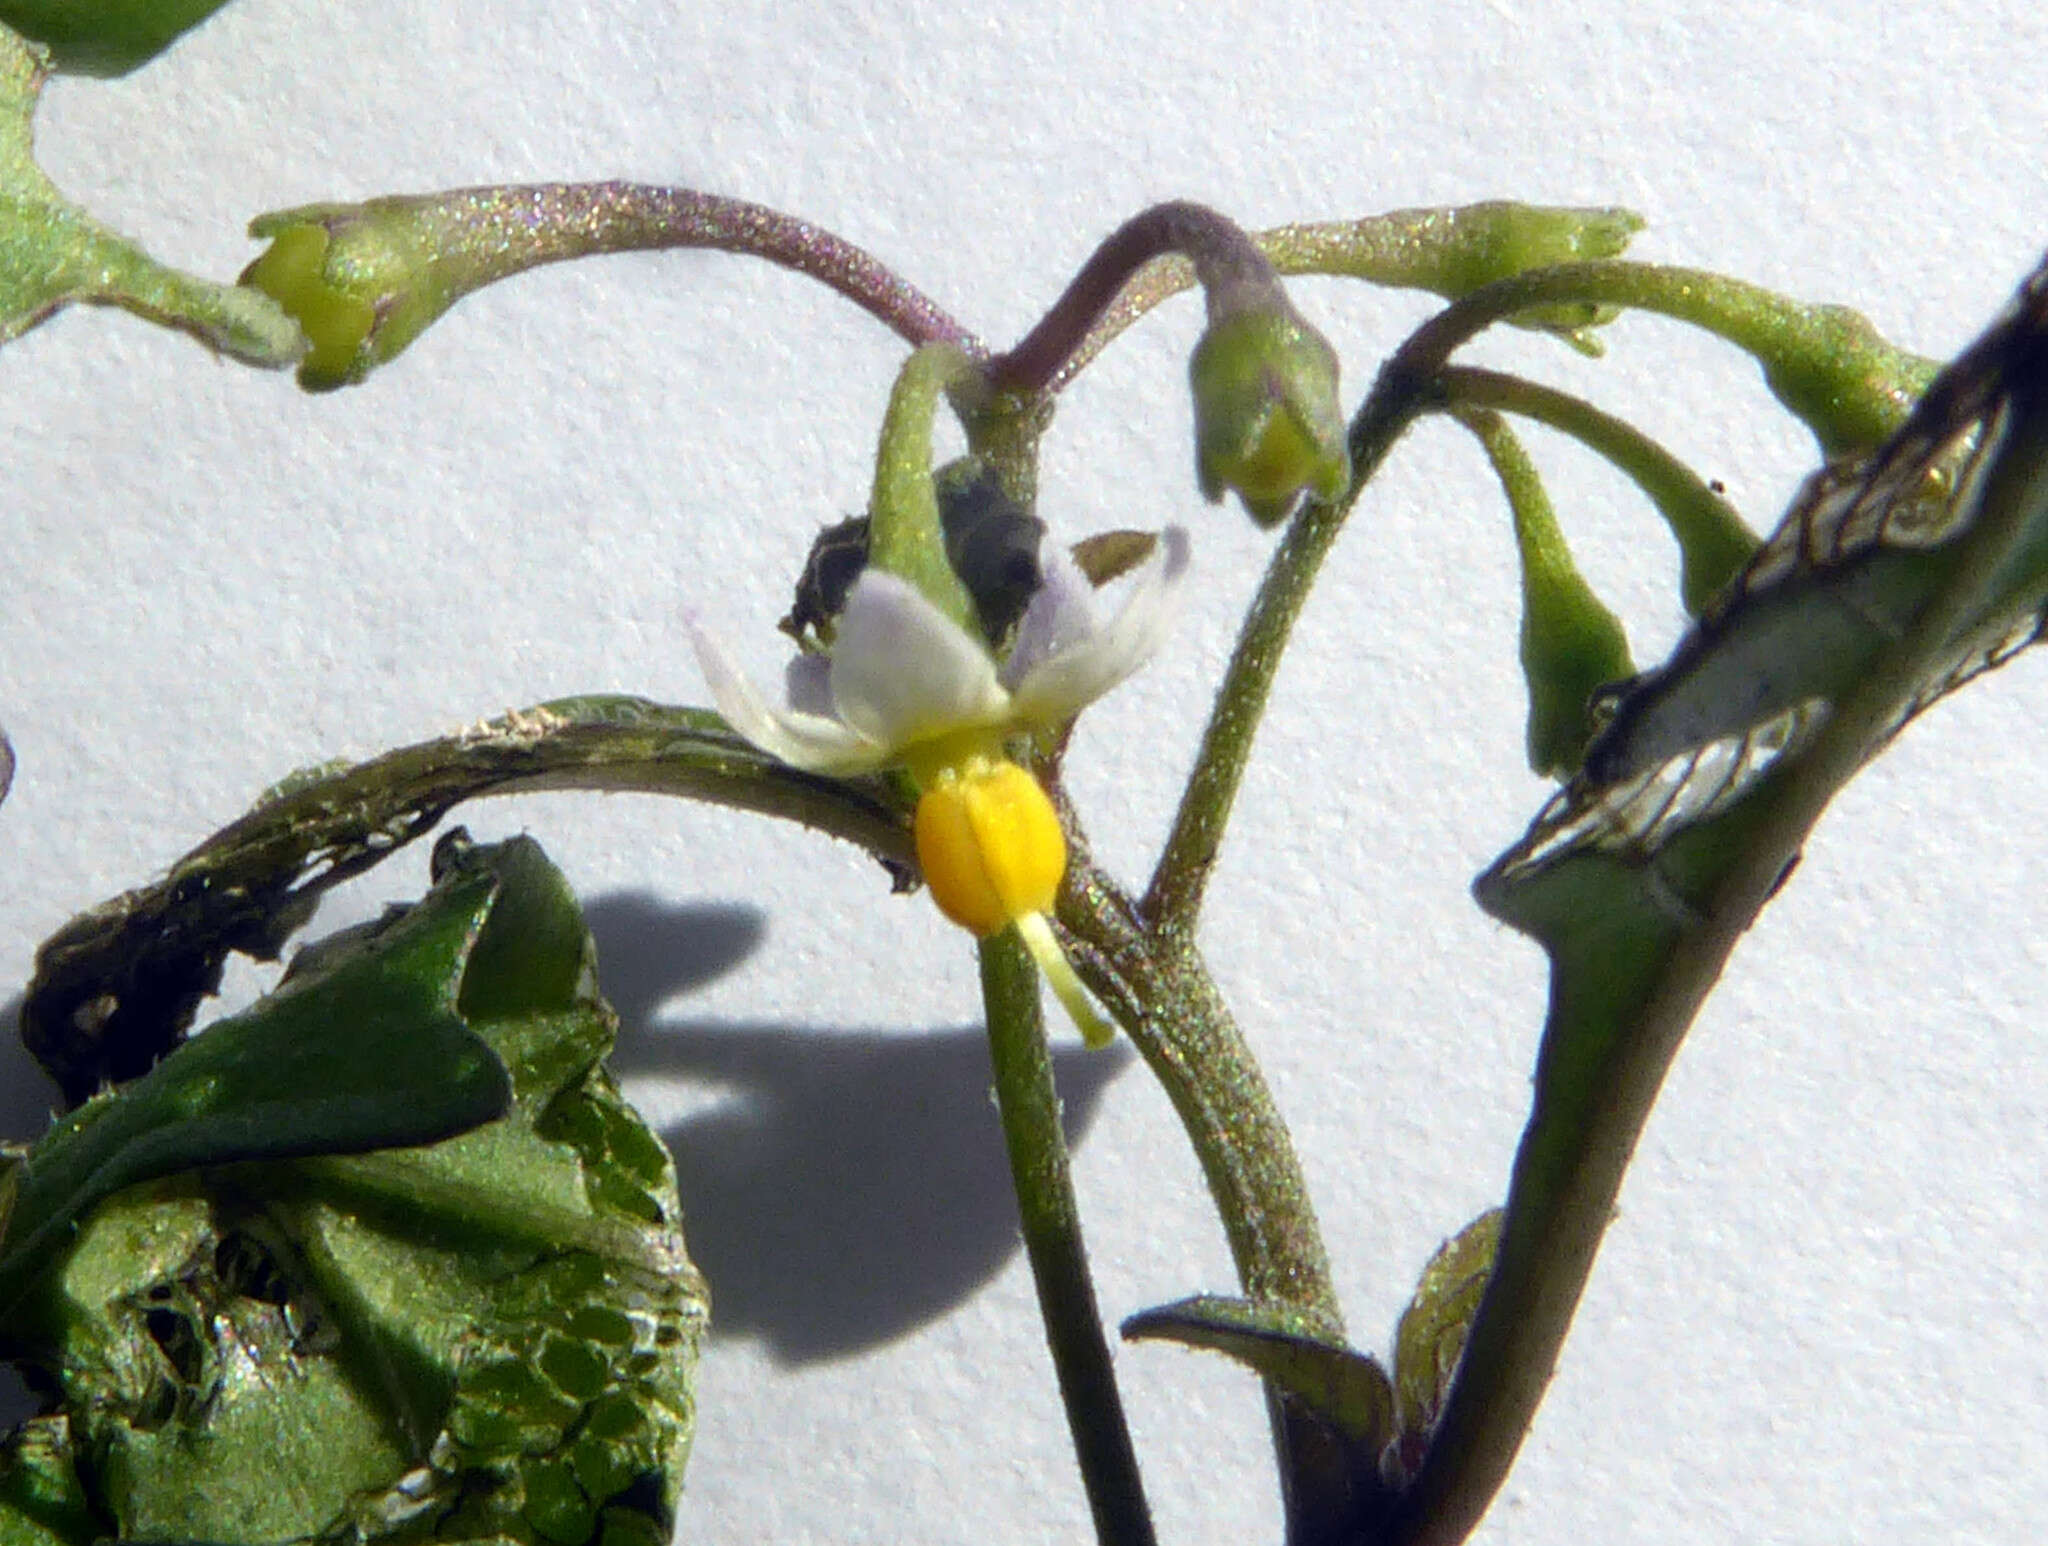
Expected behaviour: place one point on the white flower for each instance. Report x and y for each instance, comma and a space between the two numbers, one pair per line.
903, 685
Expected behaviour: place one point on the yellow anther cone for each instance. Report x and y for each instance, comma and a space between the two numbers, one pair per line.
992, 852
990, 845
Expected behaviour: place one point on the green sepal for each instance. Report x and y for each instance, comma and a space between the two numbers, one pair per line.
1268, 424
1841, 378
53, 254
363, 280
1489, 241
906, 537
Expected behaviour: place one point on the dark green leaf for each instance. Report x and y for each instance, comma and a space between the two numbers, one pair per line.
1641, 875
365, 1054
488, 1338
104, 37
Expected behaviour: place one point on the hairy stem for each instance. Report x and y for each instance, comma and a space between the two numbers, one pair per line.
1549, 1244
1225, 262
1712, 539
1179, 1023
1826, 364
1450, 251
487, 234
1030, 1108
1181, 878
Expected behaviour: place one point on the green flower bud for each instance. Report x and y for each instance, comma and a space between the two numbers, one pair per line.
363, 280
1842, 378
1267, 421
1480, 243
1572, 645
1499, 239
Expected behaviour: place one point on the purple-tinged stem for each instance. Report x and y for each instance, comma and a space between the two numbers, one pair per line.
1228, 266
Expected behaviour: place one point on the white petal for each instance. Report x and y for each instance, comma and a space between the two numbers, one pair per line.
808, 741
903, 672
1062, 685
1061, 613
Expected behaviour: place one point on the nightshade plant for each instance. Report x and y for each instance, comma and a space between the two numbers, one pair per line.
386, 1258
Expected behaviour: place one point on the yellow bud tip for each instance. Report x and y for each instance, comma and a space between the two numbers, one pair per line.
292, 272
1036, 932
989, 843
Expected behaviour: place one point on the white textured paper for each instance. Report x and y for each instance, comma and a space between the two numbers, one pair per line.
1815, 1319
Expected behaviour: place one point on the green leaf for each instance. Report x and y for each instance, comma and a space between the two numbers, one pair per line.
492, 1337
1346, 1388
53, 254
42, 1500
1431, 1337
104, 37
115, 988
366, 1054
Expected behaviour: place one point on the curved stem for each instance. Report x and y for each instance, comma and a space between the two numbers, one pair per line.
1805, 350
1450, 251
486, 234
1181, 878
1546, 1260
1224, 261
1637, 942
154, 953
1162, 994
1030, 1107
1826, 364
1713, 539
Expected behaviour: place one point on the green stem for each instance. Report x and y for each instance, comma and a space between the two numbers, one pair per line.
477, 236
156, 951
1162, 993
1030, 1108
1547, 1250
1768, 325
1712, 539
1170, 1008
1825, 364
1174, 897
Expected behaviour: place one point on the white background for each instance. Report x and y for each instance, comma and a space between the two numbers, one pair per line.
1814, 1319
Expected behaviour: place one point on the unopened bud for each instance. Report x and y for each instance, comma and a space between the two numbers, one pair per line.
1267, 420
